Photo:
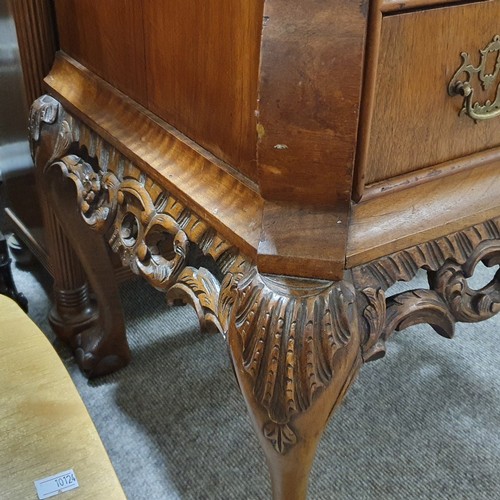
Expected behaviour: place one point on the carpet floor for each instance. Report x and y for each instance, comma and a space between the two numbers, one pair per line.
423, 423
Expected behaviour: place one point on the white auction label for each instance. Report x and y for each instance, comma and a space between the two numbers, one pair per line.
53, 485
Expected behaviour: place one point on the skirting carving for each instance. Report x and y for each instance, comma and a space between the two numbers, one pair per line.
449, 261
403, 265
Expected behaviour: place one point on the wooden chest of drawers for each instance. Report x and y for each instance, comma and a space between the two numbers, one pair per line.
278, 166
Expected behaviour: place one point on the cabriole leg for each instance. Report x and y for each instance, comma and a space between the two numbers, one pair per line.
295, 346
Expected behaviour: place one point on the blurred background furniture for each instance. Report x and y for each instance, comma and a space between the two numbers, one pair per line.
27, 48
7, 286
25, 57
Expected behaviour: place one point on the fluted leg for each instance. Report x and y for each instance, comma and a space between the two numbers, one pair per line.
73, 311
100, 343
78, 255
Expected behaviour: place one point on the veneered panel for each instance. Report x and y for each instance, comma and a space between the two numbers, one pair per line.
107, 37
202, 65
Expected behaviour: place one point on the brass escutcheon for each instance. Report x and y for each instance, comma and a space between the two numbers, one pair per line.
475, 110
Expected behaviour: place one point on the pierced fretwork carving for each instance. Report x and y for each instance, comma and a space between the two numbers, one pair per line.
465, 304
450, 261
403, 265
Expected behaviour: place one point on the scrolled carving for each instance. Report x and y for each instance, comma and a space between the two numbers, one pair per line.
450, 261
47, 111
199, 288
96, 192
44, 110
415, 307
151, 243
469, 305
374, 314
398, 312
432, 255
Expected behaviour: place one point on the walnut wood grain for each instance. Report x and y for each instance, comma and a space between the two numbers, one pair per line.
367, 99
409, 119
315, 251
412, 179
107, 37
210, 93
184, 168
309, 98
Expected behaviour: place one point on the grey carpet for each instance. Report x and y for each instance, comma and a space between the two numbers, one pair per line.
423, 423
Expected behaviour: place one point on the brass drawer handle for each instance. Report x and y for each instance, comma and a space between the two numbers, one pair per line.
475, 110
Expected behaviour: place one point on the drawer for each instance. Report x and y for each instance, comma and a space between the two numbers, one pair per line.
415, 122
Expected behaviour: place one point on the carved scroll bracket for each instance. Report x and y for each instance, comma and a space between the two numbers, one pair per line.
47, 113
450, 298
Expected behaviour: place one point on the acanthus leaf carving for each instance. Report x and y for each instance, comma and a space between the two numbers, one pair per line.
96, 194
374, 314
200, 289
47, 111
44, 110
281, 436
432, 255
289, 332
450, 298
415, 307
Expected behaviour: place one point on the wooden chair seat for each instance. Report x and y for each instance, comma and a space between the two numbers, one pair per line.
44, 425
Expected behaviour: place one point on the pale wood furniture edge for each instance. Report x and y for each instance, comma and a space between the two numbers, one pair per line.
44, 424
